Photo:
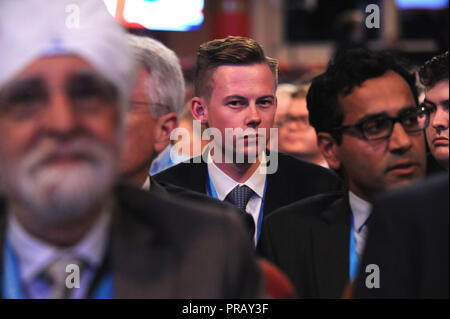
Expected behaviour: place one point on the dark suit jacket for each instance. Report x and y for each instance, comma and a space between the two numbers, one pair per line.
161, 248
207, 202
294, 180
309, 241
409, 241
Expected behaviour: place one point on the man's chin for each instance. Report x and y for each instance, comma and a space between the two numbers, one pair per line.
250, 155
403, 181
60, 195
441, 154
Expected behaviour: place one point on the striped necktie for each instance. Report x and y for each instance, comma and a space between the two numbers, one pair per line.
56, 274
239, 196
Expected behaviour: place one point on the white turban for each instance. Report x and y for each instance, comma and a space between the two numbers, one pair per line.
30, 29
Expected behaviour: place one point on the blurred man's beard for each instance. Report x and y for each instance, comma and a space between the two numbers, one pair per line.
58, 194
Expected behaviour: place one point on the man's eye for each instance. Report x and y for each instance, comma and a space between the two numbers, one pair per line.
265, 103
23, 103
235, 103
86, 87
26, 98
430, 107
376, 126
411, 120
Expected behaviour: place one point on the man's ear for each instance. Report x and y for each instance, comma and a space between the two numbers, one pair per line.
164, 126
199, 110
328, 147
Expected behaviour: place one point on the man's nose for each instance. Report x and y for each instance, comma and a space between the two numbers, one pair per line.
253, 117
400, 140
440, 119
60, 116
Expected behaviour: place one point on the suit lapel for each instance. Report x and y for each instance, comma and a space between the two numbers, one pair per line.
157, 187
275, 187
272, 198
330, 239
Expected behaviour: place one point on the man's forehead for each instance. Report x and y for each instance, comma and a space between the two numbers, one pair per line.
54, 69
236, 79
439, 92
389, 94
57, 64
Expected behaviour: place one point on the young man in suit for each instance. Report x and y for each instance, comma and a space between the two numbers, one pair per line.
157, 97
61, 120
370, 128
434, 75
235, 87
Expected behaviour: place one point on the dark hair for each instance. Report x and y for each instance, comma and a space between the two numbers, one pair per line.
229, 51
434, 70
347, 71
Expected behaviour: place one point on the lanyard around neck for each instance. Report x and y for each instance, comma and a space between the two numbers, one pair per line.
213, 193
354, 260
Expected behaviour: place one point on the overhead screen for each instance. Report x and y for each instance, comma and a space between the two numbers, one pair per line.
167, 15
422, 4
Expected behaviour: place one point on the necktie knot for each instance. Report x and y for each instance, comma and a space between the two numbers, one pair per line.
240, 196
56, 275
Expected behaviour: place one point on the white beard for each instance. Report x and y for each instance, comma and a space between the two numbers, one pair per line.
56, 194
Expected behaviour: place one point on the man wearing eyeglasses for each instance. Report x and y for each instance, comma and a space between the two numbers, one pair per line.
296, 136
156, 100
371, 130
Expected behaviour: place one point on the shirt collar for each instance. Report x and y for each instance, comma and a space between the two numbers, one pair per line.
165, 160
224, 184
360, 210
147, 184
33, 254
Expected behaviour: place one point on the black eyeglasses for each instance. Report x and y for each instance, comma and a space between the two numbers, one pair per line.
381, 126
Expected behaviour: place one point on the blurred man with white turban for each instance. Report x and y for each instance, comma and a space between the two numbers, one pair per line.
67, 230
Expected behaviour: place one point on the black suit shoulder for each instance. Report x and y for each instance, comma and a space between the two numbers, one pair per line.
174, 217
291, 179
310, 208
409, 242
211, 245
308, 241
296, 171
294, 180
190, 174
212, 203
287, 224
300, 166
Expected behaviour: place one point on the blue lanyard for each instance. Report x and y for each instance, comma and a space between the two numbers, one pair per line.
354, 262
213, 193
12, 288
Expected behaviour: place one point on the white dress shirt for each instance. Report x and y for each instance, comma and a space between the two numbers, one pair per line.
224, 184
361, 210
33, 255
146, 186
